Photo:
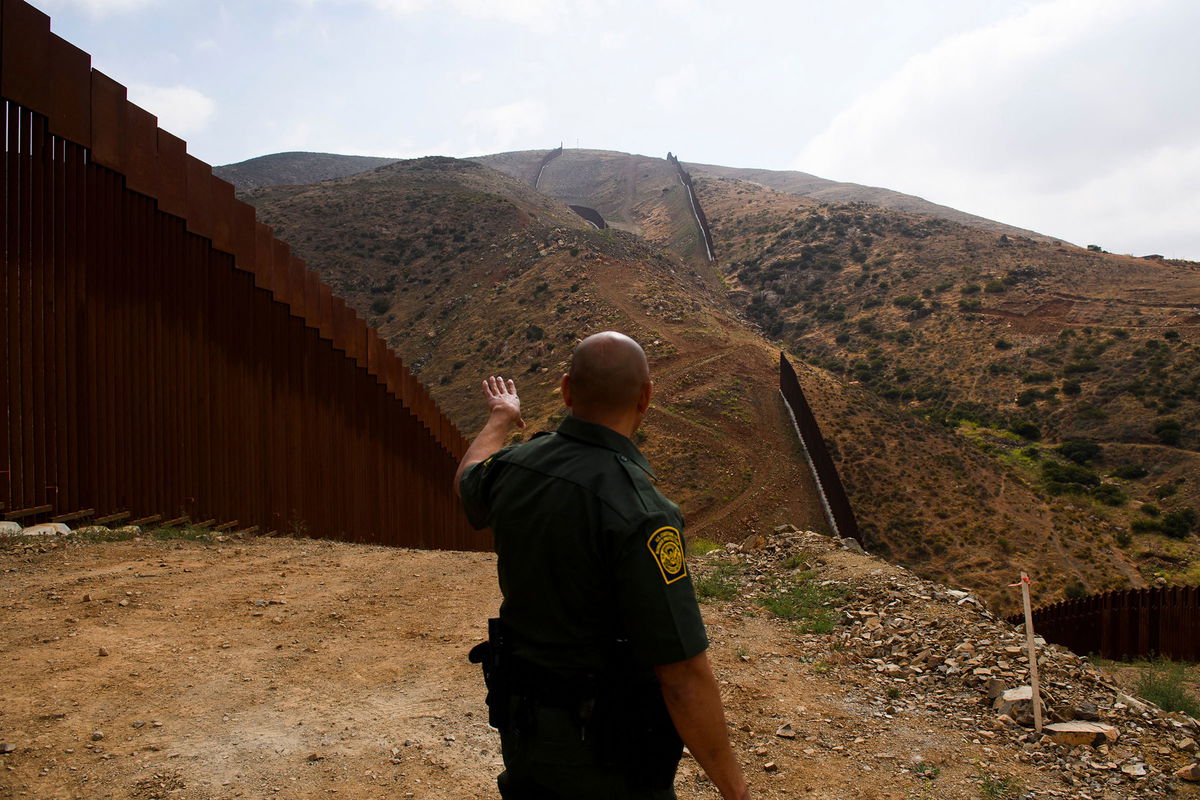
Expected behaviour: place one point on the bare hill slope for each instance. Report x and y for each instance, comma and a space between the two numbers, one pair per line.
295, 168
824, 190
634, 193
468, 272
1071, 378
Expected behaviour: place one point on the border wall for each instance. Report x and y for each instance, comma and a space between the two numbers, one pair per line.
685, 178
546, 159
1134, 623
165, 356
834, 500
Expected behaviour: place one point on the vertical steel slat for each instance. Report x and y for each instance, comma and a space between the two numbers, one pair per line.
126, 247
7, 317
43, 321
89, 406
6, 404
157, 226
192, 311
62, 385
206, 266
25, 292
75, 194
136, 380
112, 325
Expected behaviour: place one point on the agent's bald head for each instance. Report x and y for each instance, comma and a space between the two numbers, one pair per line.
608, 373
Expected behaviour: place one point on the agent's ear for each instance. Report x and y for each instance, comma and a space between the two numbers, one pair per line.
564, 388
644, 397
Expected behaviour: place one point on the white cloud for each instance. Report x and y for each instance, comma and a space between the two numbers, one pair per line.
502, 127
1059, 118
181, 110
97, 8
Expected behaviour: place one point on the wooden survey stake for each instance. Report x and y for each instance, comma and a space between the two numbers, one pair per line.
1031, 646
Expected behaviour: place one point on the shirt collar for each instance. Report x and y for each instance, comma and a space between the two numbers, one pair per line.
603, 436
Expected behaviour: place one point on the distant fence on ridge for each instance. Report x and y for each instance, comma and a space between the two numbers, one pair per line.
165, 356
1132, 623
685, 178
834, 500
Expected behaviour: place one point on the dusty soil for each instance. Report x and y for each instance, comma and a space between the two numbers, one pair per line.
305, 669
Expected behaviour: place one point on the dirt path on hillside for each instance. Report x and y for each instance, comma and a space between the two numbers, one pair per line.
306, 669
706, 357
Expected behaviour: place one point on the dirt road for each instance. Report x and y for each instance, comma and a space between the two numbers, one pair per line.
308, 669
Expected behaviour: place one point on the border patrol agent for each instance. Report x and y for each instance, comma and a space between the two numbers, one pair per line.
596, 666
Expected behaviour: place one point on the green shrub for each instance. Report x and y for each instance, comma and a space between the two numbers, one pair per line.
380, 305
970, 288
1068, 477
1026, 430
1178, 524
1150, 510
969, 305
1071, 388
702, 546
1129, 472
1028, 397
1088, 411
1168, 431
1077, 367
1002, 344
1080, 451
1037, 377
1110, 495
719, 584
1165, 685
995, 287
805, 601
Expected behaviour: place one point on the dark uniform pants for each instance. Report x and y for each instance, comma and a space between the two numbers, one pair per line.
552, 762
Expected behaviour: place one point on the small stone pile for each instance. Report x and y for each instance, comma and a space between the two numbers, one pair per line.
932, 649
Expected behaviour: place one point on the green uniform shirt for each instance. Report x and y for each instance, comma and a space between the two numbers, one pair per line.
589, 552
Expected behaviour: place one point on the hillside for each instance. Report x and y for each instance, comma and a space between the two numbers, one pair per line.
826, 191
638, 194
305, 669
468, 272
1018, 347
289, 169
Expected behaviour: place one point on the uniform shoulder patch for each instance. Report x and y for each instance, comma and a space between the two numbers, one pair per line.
666, 545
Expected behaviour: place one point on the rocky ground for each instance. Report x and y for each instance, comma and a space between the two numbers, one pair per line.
207, 668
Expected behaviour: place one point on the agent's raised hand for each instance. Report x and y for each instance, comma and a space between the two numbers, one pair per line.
503, 401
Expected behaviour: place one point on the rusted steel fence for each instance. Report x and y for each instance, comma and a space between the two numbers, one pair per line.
1163, 621
164, 355
685, 178
836, 504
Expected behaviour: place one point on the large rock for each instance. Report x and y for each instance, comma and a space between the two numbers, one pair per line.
1189, 773
1017, 704
47, 529
9, 528
1079, 732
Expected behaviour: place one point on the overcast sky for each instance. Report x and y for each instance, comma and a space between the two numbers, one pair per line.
1076, 118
